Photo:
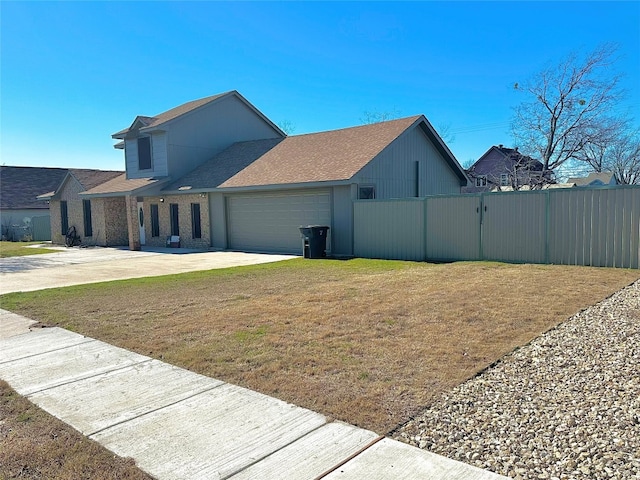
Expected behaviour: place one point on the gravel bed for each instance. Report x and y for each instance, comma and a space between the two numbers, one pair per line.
565, 406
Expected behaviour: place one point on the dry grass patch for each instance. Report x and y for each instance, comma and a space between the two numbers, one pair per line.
367, 342
35, 445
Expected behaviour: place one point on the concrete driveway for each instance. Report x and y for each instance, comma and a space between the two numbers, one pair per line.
76, 266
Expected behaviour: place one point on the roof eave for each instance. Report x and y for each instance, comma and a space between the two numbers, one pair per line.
270, 187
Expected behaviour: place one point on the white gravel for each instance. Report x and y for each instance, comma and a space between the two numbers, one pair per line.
566, 406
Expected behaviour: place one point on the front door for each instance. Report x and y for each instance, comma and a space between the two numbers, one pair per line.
141, 223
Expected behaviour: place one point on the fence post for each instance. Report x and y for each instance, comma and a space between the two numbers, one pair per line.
425, 235
547, 202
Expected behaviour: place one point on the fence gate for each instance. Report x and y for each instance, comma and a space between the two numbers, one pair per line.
453, 228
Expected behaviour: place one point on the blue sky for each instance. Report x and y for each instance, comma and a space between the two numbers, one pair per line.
73, 73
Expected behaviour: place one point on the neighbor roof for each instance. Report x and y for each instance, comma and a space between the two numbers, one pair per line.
604, 177
317, 157
21, 185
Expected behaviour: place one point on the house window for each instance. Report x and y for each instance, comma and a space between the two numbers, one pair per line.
144, 153
481, 181
175, 225
155, 220
196, 228
86, 213
504, 179
64, 217
366, 192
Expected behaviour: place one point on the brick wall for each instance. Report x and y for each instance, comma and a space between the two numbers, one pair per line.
184, 214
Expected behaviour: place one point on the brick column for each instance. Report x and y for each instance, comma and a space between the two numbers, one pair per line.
132, 222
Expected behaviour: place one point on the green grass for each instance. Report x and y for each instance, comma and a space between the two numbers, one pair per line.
18, 249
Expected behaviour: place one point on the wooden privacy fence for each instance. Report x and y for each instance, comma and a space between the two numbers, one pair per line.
576, 226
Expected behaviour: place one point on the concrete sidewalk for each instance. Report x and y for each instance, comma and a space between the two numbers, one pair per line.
76, 266
177, 424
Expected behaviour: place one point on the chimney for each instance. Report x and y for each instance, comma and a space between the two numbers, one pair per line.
500, 146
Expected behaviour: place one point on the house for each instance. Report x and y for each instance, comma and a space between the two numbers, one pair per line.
503, 168
594, 179
19, 187
217, 173
96, 221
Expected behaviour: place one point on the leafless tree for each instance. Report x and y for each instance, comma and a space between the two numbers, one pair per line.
375, 116
287, 126
623, 158
565, 106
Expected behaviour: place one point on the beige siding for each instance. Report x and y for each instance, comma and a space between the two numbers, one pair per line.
199, 135
394, 171
69, 193
184, 213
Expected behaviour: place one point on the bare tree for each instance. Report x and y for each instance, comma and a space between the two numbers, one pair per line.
565, 105
623, 158
444, 130
287, 126
375, 116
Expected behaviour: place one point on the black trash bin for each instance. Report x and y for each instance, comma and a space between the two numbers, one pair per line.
314, 241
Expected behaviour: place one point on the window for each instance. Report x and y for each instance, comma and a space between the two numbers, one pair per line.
504, 179
367, 192
196, 228
86, 212
64, 217
155, 223
144, 153
175, 225
481, 181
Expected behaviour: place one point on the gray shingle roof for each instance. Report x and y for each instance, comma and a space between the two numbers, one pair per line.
19, 186
318, 157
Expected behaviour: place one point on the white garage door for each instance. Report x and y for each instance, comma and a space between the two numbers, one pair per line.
269, 222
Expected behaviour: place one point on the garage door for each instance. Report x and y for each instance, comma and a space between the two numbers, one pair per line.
270, 222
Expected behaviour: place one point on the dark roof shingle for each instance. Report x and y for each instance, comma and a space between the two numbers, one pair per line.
19, 186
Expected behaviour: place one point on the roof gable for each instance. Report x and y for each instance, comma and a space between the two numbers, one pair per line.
499, 158
144, 123
86, 178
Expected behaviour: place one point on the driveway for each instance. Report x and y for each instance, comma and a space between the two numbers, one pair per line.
76, 266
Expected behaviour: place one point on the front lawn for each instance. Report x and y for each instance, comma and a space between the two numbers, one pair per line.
18, 249
364, 341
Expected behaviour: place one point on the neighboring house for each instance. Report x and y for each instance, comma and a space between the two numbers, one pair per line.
502, 168
219, 174
594, 179
19, 187
96, 221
